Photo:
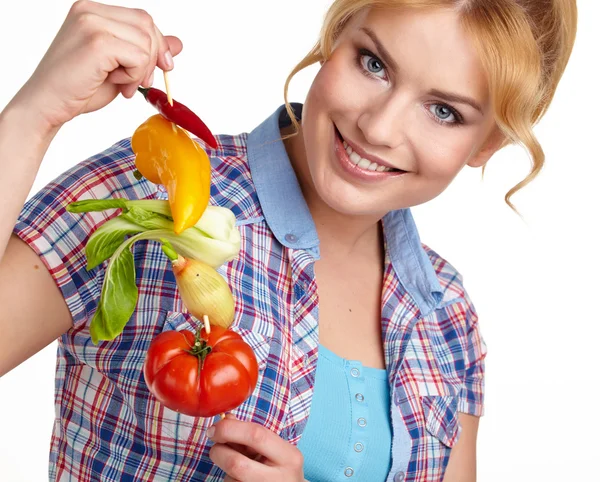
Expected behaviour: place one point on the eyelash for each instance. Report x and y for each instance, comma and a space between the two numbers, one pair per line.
367, 53
459, 118
362, 52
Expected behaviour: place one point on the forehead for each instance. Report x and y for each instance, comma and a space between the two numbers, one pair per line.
430, 46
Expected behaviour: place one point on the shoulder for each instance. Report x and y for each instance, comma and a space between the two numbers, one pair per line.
109, 173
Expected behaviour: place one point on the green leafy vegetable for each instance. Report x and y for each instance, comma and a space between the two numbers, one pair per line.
118, 298
107, 238
94, 205
214, 240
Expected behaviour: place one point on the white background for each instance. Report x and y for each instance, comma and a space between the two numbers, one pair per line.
534, 280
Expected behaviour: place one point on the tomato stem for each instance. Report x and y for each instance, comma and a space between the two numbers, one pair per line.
200, 349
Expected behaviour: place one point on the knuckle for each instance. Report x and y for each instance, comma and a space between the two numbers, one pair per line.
97, 40
143, 59
86, 22
147, 40
79, 6
145, 19
211, 453
224, 428
257, 436
238, 466
297, 460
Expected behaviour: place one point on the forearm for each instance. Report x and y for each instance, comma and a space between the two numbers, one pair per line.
23, 144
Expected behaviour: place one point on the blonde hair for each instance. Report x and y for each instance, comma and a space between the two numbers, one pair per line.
524, 46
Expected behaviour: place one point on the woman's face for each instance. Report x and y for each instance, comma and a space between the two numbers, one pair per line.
400, 107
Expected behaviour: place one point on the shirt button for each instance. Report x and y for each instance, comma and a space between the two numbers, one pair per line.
291, 238
399, 477
349, 472
359, 397
355, 372
358, 447
362, 422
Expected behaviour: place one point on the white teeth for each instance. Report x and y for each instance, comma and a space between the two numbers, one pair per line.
364, 163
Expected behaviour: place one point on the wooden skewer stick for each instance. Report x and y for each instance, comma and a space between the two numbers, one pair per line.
169, 98
207, 330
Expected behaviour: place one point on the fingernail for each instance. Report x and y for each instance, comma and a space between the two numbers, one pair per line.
169, 59
211, 431
151, 79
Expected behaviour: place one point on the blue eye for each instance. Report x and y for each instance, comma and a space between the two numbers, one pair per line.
371, 64
444, 114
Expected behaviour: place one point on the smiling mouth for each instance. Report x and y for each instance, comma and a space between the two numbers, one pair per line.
363, 163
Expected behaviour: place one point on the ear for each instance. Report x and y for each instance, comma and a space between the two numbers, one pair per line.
490, 146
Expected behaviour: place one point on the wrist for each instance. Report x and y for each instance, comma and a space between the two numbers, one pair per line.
27, 118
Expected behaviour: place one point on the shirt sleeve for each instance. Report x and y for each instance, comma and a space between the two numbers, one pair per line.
471, 396
59, 237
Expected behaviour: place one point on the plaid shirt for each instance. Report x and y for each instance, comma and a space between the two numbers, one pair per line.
109, 428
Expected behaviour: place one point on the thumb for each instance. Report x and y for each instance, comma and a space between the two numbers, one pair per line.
175, 44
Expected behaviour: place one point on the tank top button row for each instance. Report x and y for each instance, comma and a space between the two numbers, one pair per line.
360, 412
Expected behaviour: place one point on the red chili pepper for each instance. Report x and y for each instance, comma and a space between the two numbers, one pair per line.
179, 114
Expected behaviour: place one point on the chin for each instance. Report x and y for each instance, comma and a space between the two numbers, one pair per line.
346, 199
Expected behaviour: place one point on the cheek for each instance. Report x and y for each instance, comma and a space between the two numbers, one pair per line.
446, 155
334, 86
324, 102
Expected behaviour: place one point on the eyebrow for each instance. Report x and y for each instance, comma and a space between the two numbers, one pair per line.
450, 97
385, 55
389, 60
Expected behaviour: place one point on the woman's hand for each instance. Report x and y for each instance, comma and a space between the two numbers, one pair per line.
249, 452
99, 52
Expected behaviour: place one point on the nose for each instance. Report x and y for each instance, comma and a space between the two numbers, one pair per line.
383, 122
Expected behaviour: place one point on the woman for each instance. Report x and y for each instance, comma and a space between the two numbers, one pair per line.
387, 352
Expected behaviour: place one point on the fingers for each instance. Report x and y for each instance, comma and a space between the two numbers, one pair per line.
175, 45
164, 59
143, 21
135, 26
247, 451
257, 438
131, 65
236, 465
145, 55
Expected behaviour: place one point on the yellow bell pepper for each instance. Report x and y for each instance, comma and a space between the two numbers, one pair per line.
167, 155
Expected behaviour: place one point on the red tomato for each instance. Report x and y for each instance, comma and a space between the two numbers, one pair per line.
214, 376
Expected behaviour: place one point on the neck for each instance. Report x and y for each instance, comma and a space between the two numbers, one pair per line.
339, 234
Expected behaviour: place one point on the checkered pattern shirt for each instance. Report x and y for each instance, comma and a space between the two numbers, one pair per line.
108, 427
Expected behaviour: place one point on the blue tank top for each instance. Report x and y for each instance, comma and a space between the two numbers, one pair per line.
348, 436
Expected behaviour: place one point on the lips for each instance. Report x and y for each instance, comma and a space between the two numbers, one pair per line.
363, 161
361, 169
